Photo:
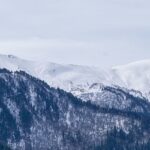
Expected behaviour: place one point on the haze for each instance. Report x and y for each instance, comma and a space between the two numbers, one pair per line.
100, 33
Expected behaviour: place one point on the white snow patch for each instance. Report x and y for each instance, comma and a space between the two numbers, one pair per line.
68, 119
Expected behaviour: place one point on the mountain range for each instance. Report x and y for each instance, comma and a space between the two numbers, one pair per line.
34, 116
48, 106
81, 80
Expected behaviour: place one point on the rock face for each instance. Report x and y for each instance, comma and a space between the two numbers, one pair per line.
34, 116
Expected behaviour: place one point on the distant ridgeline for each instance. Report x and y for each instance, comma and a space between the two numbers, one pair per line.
34, 116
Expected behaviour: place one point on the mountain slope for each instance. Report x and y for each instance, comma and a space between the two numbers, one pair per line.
80, 79
56, 75
35, 116
135, 75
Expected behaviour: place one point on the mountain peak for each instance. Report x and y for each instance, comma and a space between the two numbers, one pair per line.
8, 56
136, 64
78, 79
12, 56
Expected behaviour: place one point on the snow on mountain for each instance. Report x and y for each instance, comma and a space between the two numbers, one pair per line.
135, 75
64, 76
34, 116
83, 79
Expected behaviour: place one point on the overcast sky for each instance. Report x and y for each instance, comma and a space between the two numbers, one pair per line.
100, 33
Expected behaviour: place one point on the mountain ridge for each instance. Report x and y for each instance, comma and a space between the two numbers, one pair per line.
36, 116
79, 79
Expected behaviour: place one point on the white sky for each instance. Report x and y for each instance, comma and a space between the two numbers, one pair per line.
88, 32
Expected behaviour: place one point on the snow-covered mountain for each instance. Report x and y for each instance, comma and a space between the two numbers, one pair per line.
34, 116
83, 79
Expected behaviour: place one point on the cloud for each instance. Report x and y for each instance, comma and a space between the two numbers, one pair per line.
97, 32
103, 53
